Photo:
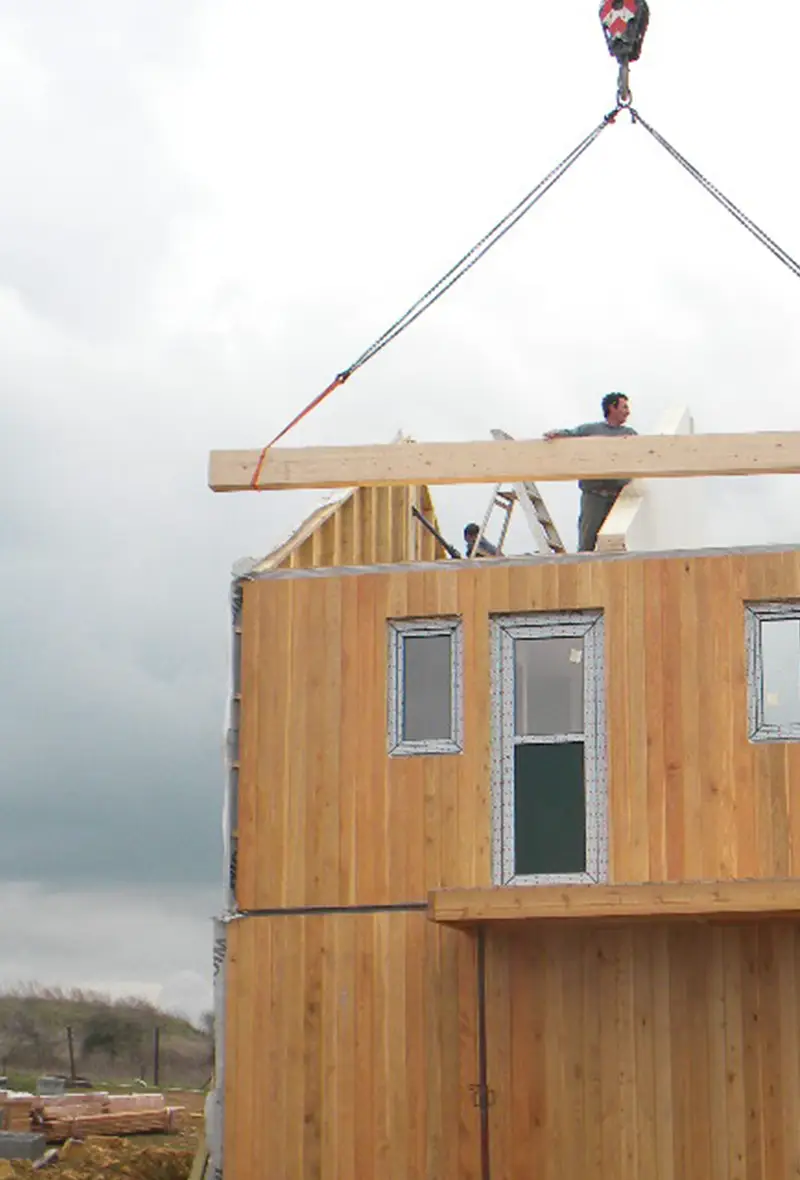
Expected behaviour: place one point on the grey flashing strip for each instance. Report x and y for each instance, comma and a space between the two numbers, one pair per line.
215, 1101
338, 571
230, 817
299, 911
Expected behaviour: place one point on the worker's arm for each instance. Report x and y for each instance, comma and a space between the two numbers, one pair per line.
574, 432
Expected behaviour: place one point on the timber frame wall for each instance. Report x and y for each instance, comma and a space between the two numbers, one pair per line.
381, 1023
690, 797
367, 525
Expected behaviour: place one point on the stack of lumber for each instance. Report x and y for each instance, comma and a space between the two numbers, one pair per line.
15, 1111
74, 1116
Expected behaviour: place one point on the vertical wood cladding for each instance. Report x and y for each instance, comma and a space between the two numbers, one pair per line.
654, 1050
371, 526
326, 818
351, 1049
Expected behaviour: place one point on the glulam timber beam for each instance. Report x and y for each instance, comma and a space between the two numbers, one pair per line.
699, 900
632, 457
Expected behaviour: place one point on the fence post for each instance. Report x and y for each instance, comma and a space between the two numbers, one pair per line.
156, 1053
71, 1046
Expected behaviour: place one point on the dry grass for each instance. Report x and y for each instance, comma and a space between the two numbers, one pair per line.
113, 1039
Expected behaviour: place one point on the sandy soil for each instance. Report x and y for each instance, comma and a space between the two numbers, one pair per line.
141, 1157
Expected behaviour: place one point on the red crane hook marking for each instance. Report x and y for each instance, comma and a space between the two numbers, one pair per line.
615, 17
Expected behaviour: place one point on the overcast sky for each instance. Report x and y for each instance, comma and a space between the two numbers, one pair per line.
208, 210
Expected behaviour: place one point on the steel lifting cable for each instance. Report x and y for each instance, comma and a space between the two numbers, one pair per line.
758, 233
484, 245
447, 280
501, 229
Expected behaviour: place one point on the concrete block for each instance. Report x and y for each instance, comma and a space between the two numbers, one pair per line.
21, 1145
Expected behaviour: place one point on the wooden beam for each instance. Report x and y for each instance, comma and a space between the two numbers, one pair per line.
690, 899
631, 457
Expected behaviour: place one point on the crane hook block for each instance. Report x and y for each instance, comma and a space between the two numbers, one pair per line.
624, 24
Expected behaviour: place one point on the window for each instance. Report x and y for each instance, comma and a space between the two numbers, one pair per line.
773, 648
425, 705
549, 764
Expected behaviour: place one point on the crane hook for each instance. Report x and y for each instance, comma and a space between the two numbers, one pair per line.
624, 24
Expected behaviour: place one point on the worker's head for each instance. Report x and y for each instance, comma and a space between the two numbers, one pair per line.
615, 409
471, 532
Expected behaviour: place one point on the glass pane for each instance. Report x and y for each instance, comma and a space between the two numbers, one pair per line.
548, 686
780, 650
427, 688
549, 809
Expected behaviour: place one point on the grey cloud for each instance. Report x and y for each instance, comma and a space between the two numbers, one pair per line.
134, 941
114, 612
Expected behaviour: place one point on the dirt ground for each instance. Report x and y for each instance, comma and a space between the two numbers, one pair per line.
140, 1157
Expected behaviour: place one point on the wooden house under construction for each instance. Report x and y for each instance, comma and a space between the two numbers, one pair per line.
514, 844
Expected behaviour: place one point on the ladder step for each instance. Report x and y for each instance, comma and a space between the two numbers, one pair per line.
505, 501
535, 508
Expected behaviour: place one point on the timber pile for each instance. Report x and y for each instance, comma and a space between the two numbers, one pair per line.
74, 1116
15, 1111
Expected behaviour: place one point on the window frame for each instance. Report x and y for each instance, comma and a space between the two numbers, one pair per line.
505, 629
399, 631
756, 613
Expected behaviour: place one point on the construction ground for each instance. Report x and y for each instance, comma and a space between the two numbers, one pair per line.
168, 1158
72, 1152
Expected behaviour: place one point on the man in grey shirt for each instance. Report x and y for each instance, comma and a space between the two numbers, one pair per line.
598, 496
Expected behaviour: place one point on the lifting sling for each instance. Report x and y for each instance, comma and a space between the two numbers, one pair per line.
624, 25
